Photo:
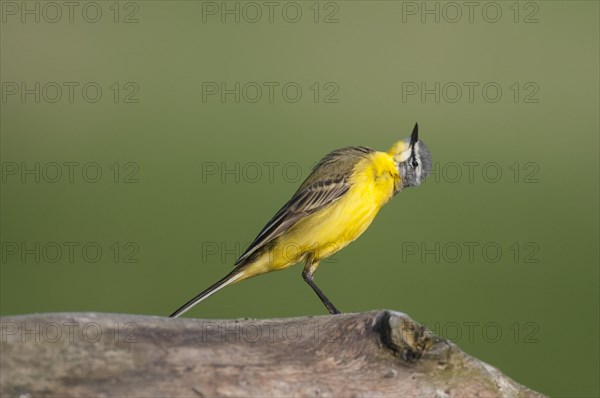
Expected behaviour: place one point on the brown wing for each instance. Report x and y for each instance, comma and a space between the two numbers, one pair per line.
328, 182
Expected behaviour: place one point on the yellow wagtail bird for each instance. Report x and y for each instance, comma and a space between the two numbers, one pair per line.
333, 206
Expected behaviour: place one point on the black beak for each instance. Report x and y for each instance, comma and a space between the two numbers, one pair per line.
414, 137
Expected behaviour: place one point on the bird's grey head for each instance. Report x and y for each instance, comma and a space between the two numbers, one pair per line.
413, 160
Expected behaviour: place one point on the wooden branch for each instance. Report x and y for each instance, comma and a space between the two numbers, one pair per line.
379, 353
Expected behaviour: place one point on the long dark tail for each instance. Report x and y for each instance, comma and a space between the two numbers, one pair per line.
228, 279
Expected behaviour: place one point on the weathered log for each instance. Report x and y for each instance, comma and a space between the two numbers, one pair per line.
379, 353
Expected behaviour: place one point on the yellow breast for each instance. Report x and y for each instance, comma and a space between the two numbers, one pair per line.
330, 229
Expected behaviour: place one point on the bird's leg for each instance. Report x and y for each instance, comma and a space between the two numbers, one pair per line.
307, 274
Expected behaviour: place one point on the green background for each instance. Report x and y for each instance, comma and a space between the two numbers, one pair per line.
546, 311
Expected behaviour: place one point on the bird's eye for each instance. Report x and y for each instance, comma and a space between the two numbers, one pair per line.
415, 164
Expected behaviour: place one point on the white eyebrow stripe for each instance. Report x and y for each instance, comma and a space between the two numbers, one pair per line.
418, 156
405, 155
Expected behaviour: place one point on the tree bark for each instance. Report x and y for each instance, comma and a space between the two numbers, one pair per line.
379, 353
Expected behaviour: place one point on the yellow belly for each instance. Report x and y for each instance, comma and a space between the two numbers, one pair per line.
332, 228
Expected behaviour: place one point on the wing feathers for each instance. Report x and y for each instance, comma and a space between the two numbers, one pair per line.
328, 182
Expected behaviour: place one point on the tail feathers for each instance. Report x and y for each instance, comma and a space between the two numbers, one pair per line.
227, 280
